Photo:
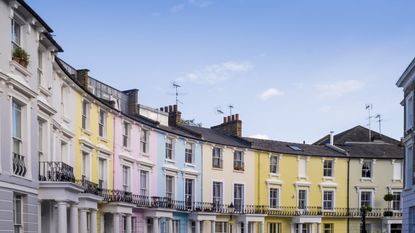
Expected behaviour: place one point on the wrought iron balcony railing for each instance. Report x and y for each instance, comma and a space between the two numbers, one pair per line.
56, 171
19, 165
89, 187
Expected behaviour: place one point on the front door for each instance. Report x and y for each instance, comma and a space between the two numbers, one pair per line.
396, 228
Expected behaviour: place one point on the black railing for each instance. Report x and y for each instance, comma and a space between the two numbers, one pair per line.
89, 187
56, 171
19, 165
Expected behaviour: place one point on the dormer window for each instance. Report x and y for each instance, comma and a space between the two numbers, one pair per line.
367, 169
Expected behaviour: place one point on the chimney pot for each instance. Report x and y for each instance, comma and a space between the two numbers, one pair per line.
224, 119
166, 109
233, 117
237, 117
175, 107
229, 119
331, 137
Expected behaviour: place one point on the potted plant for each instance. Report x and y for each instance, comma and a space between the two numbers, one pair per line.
388, 197
21, 56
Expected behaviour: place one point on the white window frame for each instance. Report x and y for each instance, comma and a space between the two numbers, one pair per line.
16, 20
144, 139
333, 201
126, 134
103, 174
372, 196
300, 175
102, 123
331, 227
173, 186
18, 227
145, 191
169, 150
214, 197
238, 160
189, 151
306, 198
86, 114
193, 194
278, 198
329, 169
126, 178
242, 197
86, 170
274, 166
371, 163
400, 200
218, 158
221, 227
23, 139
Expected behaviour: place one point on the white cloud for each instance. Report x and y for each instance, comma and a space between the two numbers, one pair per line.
269, 93
177, 8
339, 88
260, 136
216, 73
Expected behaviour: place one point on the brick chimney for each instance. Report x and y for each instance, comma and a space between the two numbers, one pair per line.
133, 108
82, 77
231, 125
175, 116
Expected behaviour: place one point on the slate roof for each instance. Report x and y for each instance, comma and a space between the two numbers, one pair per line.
356, 142
355, 134
215, 137
284, 148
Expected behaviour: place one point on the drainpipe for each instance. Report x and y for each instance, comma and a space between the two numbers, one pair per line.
348, 193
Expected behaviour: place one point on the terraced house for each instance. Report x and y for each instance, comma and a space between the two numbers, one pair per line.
407, 83
78, 155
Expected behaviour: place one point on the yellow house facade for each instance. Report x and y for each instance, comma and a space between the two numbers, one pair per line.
303, 187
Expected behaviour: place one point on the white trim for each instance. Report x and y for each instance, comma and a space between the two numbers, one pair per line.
223, 190
333, 201
279, 197
13, 187
372, 202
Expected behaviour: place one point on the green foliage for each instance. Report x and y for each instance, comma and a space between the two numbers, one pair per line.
388, 197
20, 54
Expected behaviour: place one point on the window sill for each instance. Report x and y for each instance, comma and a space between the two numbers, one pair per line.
44, 91
145, 155
189, 165
22, 177
86, 131
16, 66
126, 149
103, 139
169, 161
328, 178
363, 179
65, 119
397, 180
274, 175
217, 168
238, 171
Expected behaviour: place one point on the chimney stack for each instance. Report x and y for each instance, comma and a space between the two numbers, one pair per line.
133, 108
332, 138
175, 116
82, 77
231, 125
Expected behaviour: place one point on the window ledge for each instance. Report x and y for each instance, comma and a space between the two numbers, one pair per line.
366, 179
65, 119
126, 149
169, 161
86, 131
45, 91
328, 178
147, 155
103, 139
189, 165
274, 175
397, 180
238, 171
217, 168
20, 68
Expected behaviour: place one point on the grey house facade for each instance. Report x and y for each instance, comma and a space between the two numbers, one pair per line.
20, 29
407, 82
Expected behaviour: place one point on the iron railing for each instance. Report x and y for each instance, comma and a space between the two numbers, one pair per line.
56, 171
19, 165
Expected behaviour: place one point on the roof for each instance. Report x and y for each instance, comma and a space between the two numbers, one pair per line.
374, 150
355, 142
291, 148
216, 137
402, 80
37, 17
356, 134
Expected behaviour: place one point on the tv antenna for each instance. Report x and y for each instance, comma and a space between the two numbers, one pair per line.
219, 110
177, 86
230, 106
368, 108
379, 117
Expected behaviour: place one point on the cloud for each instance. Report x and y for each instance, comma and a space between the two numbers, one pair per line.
269, 93
260, 136
177, 8
339, 88
216, 73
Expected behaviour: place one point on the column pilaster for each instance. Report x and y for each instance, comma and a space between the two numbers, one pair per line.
62, 218
82, 221
94, 224
74, 219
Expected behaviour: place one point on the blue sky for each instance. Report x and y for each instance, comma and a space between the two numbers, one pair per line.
294, 70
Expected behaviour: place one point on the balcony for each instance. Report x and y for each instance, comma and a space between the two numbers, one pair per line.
56, 172
89, 187
19, 165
